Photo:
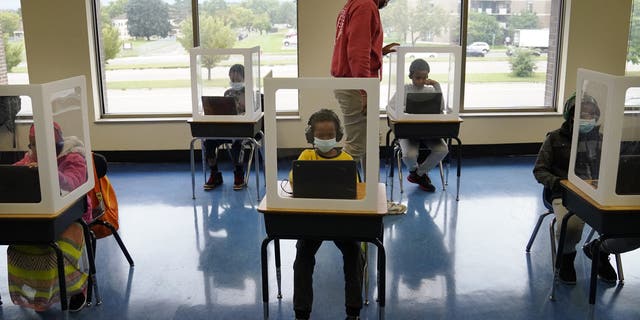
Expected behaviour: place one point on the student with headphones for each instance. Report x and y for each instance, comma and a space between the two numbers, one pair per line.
552, 166
323, 132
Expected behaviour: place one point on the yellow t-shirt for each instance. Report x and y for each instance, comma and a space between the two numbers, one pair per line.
311, 154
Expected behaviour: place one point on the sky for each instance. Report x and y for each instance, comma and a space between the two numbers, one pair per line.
9, 4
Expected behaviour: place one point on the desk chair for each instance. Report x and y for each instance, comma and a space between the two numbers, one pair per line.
397, 156
546, 200
100, 162
618, 258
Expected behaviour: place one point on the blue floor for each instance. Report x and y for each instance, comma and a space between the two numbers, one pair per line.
200, 259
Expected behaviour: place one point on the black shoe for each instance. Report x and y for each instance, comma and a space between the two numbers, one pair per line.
77, 302
606, 272
567, 272
238, 180
215, 179
423, 181
352, 318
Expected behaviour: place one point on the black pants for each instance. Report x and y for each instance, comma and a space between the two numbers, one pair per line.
211, 147
303, 276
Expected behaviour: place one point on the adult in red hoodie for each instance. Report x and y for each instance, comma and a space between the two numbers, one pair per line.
357, 53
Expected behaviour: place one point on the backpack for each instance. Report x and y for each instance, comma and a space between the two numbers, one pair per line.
106, 205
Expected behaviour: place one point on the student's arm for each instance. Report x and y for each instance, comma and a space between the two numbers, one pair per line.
437, 88
542, 168
72, 171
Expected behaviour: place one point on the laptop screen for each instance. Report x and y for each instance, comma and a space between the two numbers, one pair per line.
326, 179
216, 105
19, 184
424, 102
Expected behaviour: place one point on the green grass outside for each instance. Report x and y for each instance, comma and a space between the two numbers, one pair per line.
158, 84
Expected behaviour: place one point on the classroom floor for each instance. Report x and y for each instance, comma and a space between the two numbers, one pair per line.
200, 259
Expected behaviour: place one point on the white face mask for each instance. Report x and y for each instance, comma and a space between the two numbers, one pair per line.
586, 125
324, 145
236, 85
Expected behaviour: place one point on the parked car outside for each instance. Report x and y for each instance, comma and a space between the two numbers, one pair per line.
482, 46
291, 38
475, 52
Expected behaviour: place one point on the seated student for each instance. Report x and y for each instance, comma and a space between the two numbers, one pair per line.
324, 127
33, 271
236, 76
419, 172
552, 165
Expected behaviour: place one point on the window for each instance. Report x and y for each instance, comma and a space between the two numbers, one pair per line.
143, 48
13, 59
632, 99
512, 47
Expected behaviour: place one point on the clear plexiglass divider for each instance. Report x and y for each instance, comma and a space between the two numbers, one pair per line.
445, 67
275, 197
210, 80
605, 150
61, 141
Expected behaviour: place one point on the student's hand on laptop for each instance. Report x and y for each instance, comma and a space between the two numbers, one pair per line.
430, 82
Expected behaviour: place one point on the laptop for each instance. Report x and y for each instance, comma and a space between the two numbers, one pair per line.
219, 106
424, 102
325, 179
628, 171
19, 184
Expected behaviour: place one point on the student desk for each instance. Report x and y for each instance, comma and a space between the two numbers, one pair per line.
324, 225
45, 229
209, 130
424, 130
609, 221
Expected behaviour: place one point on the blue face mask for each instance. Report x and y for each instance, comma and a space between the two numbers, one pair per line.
324, 145
586, 125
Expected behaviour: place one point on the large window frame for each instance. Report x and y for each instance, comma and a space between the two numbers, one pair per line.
558, 53
101, 69
465, 7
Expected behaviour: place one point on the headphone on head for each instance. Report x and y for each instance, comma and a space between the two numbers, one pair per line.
570, 106
323, 115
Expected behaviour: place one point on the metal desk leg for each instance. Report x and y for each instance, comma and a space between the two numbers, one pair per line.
265, 277
563, 235
93, 283
381, 278
459, 167
61, 277
276, 247
593, 283
618, 267
193, 169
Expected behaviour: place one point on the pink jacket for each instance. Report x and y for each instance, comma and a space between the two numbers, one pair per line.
72, 172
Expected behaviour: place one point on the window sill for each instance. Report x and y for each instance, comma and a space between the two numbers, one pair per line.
510, 114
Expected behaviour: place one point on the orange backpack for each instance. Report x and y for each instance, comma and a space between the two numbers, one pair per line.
106, 205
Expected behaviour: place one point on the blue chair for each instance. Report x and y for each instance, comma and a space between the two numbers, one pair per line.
546, 200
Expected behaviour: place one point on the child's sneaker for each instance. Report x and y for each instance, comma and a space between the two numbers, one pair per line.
606, 272
215, 179
77, 302
413, 177
423, 181
238, 180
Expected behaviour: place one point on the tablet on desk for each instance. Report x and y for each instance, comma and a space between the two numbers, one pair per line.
219, 106
19, 184
424, 102
325, 179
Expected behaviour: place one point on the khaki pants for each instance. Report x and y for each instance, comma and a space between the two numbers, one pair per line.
355, 122
574, 226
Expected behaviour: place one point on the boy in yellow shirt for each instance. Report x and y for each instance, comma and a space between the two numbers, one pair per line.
324, 131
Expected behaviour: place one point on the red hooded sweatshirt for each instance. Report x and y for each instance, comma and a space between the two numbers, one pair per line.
357, 51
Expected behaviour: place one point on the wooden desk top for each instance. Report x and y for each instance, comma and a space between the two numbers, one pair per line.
381, 207
573, 188
36, 216
394, 121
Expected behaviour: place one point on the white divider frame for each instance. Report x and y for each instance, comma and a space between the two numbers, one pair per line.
51, 199
452, 102
611, 121
253, 108
274, 200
